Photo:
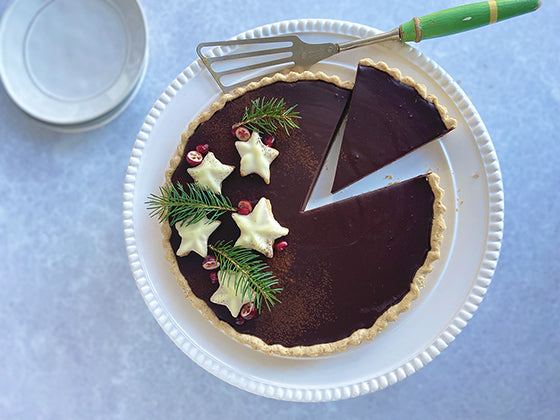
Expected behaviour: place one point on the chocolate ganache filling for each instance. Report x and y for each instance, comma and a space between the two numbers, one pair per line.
386, 120
346, 263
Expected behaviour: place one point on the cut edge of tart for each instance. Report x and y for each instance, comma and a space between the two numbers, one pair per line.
358, 336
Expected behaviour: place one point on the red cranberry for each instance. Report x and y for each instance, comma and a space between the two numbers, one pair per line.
203, 148
281, 246
242, 133
194, 158
269, 141
248, 311
244, 207
243, 211
210, 263
213, 277
239, 320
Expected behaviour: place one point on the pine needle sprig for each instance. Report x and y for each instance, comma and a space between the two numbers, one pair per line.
190, 205
265, 117
253, 276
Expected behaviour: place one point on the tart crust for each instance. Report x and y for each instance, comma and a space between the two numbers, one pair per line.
392, 314
396, 74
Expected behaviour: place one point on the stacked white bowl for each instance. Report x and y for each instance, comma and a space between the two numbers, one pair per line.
73, 65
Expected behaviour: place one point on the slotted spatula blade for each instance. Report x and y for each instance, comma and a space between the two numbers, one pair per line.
271, 55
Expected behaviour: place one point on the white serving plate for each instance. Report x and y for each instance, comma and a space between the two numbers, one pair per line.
466, 161
72, 64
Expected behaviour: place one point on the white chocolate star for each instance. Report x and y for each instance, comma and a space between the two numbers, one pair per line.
210, 173
195, 237
256, 157
259, 229
226, 295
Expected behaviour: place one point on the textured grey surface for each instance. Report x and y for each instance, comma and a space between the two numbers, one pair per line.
77, 340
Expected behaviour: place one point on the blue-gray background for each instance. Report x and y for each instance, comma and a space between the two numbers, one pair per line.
77, 340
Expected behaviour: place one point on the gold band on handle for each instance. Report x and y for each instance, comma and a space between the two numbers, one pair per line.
493, 11
417, 29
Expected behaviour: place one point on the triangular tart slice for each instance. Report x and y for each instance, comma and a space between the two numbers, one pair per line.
388, 116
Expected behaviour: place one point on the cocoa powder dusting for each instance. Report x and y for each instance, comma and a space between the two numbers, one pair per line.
308, 309
299, 155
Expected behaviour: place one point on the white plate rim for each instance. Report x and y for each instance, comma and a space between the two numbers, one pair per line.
454, 326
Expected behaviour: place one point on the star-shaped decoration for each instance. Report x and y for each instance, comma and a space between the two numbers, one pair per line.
259, 229
210, 173
194, 237
226, 295
256, 157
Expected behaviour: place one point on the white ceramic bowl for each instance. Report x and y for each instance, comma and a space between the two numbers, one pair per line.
72, 64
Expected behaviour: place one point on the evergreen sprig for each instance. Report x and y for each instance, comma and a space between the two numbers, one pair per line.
191, 205
266, 116
253, 276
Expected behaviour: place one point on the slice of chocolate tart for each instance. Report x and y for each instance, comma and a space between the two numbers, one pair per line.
388, 116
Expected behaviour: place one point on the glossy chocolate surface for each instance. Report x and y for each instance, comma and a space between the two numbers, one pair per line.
386, 120
346, 263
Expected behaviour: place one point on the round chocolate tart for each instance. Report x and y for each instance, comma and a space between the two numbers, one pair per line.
350, 266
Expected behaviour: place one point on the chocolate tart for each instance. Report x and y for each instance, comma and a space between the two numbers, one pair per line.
388, 117
351, 266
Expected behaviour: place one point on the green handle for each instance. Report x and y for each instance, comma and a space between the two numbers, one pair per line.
463, 18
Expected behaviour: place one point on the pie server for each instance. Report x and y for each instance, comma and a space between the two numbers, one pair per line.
268, 55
